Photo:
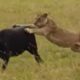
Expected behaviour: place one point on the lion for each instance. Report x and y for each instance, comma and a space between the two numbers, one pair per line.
45, 26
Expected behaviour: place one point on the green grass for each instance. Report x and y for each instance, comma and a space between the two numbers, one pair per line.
59, 63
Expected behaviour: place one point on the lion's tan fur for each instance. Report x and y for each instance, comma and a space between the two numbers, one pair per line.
55, 34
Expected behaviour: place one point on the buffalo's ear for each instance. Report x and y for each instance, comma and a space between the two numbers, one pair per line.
45, 15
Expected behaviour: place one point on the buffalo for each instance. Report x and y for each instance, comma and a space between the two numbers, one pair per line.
14, 41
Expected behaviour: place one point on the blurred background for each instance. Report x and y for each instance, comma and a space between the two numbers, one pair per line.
59, 63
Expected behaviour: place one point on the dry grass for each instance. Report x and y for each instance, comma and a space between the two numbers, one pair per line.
59, 63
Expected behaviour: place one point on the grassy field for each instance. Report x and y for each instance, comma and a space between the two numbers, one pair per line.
59, 63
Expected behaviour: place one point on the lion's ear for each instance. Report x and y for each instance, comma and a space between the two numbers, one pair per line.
45, 15
38, 14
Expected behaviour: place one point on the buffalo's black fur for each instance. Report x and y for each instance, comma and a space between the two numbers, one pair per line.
14, 41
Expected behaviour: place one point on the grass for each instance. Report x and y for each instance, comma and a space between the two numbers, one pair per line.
59, 63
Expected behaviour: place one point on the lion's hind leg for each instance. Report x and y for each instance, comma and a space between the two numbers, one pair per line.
76, 47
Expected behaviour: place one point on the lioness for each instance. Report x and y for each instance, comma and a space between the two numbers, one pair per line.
48, 28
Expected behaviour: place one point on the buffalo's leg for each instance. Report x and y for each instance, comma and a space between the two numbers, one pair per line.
6, 60
4, 57
34, 52
38, 58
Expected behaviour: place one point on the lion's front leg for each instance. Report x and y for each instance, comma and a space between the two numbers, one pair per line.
35, 31
29, 30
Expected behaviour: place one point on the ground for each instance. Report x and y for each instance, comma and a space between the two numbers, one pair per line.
59, 63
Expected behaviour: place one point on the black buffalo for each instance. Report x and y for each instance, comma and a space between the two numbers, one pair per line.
16, 40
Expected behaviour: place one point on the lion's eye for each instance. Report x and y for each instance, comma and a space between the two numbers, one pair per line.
39, 20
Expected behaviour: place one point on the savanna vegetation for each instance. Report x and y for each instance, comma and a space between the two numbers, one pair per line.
59, 63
